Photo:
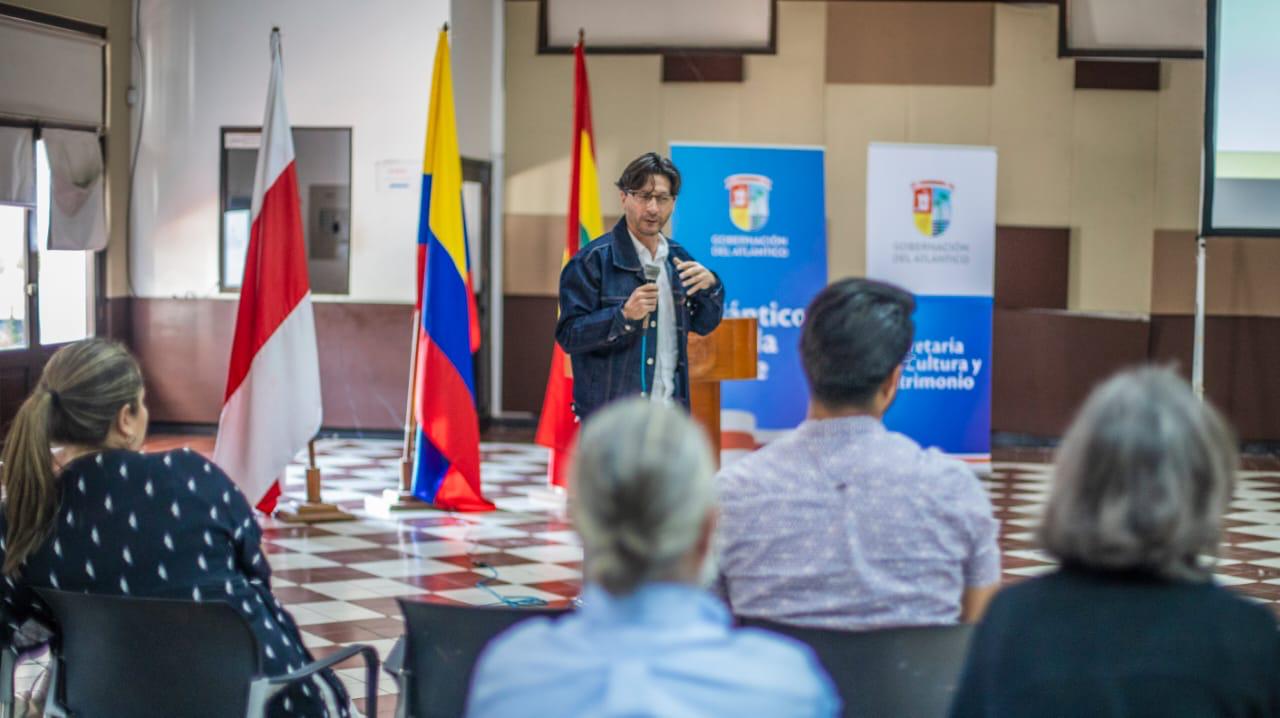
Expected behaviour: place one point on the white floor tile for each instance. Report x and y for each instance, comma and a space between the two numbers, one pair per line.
442, 548
287, 561
408, 566
1255, 505
1225, 580
1032, 555
536, 573
565, 537
310, 640
362, 527
481, 597
1269, 531
1256, 517
322, 544
1032, 570
363, 588
548, 554
329, 612
473, 532
1268, 546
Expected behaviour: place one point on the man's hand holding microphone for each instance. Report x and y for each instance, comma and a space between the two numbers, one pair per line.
644, 300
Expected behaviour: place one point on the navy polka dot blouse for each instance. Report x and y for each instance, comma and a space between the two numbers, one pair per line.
168, 525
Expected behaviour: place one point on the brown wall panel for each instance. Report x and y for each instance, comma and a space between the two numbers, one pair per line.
1240, 275
909, 43
1240, 367
529, 333
1045, 362
364, 363
703, 67
1032, 266
117, 320
184, 346
1117, 75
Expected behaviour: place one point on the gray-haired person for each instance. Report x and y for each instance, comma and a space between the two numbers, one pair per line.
647, 641
1132, 624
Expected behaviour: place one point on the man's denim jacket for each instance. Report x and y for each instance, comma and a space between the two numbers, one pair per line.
605, 348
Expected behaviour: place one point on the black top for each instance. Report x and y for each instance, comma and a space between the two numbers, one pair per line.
1086, 643
168, 525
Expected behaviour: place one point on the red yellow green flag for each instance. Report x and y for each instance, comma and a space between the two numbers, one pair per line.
557, 426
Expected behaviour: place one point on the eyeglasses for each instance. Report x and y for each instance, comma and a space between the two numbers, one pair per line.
644, 197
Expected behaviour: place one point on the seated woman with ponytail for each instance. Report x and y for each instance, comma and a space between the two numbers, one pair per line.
647, 640
85, 511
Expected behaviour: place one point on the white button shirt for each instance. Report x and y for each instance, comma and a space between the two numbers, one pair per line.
664, 374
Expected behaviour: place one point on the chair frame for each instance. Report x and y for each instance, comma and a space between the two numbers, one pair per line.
400, 664
8, 663
261, 690
821, 640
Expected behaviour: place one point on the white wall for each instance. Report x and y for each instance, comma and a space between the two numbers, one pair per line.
363, 64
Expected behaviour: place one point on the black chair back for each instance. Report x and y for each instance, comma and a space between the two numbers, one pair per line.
887, 673
442, 644
145, 657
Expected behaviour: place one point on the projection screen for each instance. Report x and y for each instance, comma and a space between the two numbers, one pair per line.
1242, 119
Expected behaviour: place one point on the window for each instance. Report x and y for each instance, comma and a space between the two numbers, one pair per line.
13, 277
323, 157
64, 280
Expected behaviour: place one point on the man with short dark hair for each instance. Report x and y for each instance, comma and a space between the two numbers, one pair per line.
629, 299
843, 523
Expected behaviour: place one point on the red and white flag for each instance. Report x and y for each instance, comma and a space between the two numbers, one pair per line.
272, 406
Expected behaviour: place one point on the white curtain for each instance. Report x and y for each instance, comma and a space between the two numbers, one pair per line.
77, 212
17, 166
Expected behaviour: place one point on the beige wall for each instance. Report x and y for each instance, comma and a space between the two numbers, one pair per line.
115, 15
1114, 166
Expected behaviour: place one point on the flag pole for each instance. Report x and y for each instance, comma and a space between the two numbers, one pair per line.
314, 510
410, 418
402, 499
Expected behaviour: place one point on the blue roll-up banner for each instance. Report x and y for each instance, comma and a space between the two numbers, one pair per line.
931, 225
756, 215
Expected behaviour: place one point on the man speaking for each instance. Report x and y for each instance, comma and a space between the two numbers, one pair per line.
629, 299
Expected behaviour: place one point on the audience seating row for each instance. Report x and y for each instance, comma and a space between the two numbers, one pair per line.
200, 659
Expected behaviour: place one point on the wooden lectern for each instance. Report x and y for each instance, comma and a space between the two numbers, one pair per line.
727, 353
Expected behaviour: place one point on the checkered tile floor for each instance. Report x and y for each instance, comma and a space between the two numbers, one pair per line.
341, 580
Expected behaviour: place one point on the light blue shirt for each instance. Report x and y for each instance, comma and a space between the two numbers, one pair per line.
667, 650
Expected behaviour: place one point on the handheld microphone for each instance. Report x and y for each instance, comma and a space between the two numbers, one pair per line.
651, 274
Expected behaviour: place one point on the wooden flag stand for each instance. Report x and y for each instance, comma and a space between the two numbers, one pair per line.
402, 499
314, 510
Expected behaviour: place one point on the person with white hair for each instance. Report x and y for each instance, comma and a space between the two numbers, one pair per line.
1132, 624
647, 641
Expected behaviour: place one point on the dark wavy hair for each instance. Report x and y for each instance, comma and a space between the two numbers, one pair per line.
856, 332
637, 174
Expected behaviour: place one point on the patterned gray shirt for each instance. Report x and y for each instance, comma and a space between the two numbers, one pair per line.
845, 524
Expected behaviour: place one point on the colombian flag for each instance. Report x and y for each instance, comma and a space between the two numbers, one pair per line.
557, 427
446, 470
